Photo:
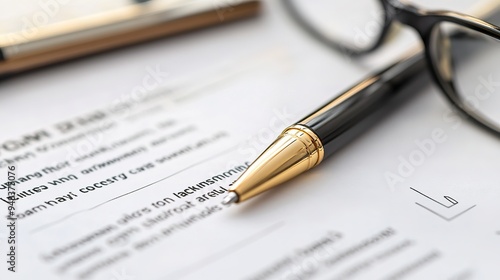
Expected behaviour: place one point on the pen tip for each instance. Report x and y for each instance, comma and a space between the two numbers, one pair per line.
230, 198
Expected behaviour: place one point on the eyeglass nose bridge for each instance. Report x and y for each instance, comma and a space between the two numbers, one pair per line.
410, 16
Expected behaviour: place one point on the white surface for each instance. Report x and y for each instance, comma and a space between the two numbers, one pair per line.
251, 79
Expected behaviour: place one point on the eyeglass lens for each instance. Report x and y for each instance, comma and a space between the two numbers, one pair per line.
473, 62
355, 24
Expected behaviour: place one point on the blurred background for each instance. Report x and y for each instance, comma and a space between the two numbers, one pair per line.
105, 44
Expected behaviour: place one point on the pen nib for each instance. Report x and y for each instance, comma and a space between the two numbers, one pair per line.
230, 198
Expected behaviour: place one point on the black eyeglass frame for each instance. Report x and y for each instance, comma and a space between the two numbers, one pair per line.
425, 23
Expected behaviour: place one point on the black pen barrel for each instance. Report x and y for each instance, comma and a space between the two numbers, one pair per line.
304, 145
354, 111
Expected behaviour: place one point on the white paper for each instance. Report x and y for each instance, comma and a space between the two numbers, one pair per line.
148, 138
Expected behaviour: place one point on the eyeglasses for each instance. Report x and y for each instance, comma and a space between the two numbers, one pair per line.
463, 52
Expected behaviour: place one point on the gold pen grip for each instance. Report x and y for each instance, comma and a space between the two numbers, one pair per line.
295, 151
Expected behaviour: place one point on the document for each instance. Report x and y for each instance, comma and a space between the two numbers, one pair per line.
124, 179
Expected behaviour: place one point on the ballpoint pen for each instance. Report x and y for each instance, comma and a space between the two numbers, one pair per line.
38, 46
305, 144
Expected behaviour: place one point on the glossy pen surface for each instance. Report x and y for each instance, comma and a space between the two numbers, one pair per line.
305, 144
342, 118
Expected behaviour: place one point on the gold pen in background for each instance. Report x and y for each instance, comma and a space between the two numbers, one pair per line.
134, 23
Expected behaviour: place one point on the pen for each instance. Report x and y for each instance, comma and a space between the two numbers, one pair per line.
38, 46
305, 144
